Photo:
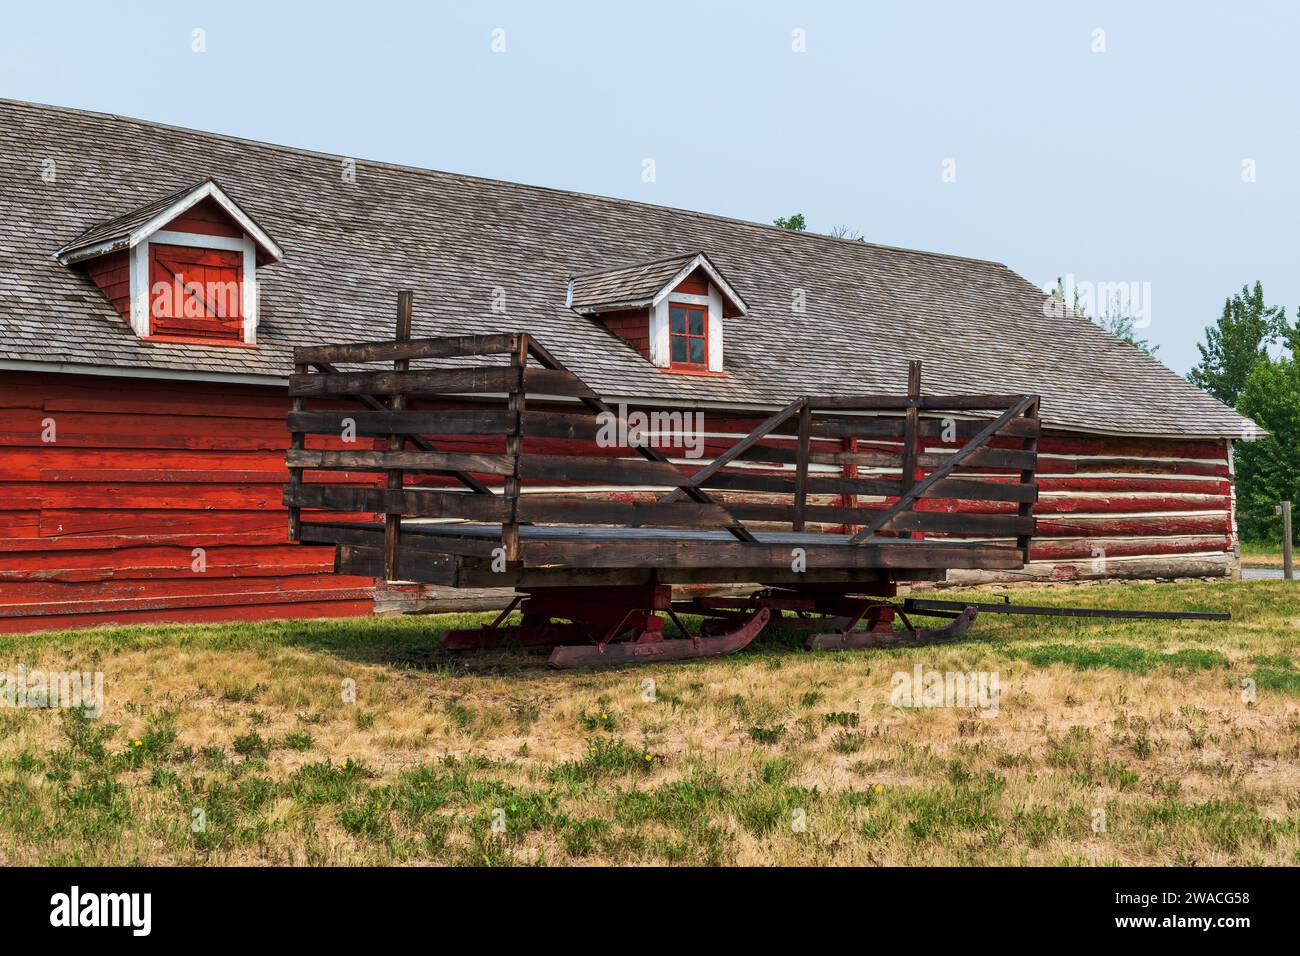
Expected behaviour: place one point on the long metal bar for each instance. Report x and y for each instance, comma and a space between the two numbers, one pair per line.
920, 605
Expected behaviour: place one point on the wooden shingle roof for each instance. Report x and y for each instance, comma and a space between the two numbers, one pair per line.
643, 283
634, 284
825, 316
133, 226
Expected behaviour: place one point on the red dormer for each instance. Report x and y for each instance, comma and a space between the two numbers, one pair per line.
670, 310
180, 269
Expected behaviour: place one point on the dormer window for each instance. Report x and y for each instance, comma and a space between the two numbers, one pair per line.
180, 269
195, 292
688, 336
670, 310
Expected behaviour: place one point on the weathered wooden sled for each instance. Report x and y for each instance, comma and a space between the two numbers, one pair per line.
485, 465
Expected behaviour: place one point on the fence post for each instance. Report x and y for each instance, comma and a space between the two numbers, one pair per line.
1028, 476
396, 442
1285, 510
911, 429
801, 465
515, 447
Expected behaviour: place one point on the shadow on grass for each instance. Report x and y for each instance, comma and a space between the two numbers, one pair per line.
413, 640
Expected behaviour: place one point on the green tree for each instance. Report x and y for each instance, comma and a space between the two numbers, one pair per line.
1237, 343
1268, 469
795, 223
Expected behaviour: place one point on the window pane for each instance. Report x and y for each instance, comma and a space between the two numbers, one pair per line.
677, 320
679, 349
697, 351
697, 321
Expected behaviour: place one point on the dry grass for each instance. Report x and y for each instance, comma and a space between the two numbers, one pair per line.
248, 724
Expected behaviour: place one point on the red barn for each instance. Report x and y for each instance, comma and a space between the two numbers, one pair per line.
154, 280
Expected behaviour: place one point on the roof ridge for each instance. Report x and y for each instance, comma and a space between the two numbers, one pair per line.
638, 264
302, 151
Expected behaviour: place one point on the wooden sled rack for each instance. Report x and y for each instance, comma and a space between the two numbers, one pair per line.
481, 461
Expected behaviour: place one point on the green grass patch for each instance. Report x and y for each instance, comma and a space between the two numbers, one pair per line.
1124, 657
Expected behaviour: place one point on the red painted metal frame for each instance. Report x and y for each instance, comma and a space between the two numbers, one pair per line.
598, 617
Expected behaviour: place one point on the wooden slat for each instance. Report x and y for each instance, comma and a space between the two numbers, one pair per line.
858, 428
617, 471
723, 554
1000, 458
452, 381
900, 403
372, 536
561, 509
779, 512
960, 429
977, 490
365, 460
817, 485
555, 381
536, 424
550, 424
416, 502
960, 522
450, 422
416, 566
970, 402
454, 346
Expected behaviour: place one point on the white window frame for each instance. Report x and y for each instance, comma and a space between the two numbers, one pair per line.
141, 256
660, 346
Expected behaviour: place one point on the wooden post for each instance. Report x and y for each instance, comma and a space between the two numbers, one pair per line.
1027, 476
801, 465
297, 442
396, 477
514, 448
1287, 572
911, 428
849, 500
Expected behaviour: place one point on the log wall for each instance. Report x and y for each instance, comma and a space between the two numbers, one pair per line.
99, 524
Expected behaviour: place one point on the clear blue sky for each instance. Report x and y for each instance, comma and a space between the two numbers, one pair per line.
1123, 165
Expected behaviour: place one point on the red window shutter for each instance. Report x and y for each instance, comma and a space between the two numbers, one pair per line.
196, 293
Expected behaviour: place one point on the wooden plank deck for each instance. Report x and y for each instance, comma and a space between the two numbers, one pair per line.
437, 552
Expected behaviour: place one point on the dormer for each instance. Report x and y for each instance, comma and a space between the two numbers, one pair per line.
670, 310
180, 269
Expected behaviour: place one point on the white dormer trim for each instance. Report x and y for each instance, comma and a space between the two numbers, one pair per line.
701, 261
206, 190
